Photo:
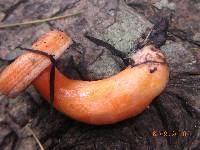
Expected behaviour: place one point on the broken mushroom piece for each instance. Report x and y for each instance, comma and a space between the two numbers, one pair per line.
19, 74
105, 101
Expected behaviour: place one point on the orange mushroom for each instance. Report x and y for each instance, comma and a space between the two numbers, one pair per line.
105, 101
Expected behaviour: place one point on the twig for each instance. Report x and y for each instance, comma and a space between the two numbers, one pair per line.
184, 38
35, 137
147, 37
38, 21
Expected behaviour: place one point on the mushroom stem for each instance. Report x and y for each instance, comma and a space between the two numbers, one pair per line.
19, 74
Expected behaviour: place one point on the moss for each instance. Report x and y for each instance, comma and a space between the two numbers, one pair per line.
195, 50
124, 33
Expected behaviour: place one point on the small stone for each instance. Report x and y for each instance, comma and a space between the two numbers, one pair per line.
164, 3
196, 37
178, 55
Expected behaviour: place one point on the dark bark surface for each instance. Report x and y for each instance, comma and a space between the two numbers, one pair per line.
172, 121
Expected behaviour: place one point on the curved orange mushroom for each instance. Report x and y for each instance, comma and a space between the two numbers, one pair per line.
106, 101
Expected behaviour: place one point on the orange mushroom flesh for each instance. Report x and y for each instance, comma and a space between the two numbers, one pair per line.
110, 100
105, 101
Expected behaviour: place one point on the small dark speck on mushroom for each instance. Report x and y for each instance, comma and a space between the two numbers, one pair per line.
152, 70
